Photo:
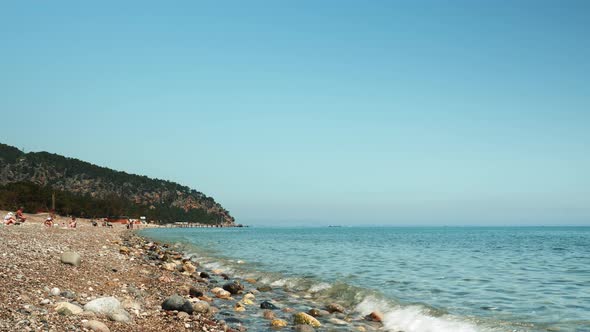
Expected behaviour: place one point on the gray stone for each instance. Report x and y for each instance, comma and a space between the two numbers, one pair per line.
67, 294
103, 305
54, 291
71, 257
177, 302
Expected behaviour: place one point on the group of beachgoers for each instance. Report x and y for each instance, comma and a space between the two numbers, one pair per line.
18, 218
15, 218
50, 222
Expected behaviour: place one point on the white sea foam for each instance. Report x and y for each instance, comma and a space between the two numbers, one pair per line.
264, 280
288, 283
213, 266
413, 318
279, 283
319, 287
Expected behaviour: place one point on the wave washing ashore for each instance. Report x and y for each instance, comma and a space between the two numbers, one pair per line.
421, 279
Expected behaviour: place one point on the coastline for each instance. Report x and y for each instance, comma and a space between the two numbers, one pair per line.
141, 275
36, 281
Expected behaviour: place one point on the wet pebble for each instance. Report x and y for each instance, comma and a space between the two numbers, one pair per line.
268, 305
268, 314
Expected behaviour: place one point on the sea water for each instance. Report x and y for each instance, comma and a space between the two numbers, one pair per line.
422, 279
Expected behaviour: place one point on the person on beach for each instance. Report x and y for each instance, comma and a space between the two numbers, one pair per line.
9, 219
20, 218
48, 222
73, 223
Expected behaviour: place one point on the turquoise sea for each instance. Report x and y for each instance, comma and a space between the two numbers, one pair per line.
422, 279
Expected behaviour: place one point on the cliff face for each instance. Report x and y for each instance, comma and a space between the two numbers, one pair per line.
85, 179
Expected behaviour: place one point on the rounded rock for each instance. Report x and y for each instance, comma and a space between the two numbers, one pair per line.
335, 307
103, 305
223, 294
169, 266
268, 314
268, 305
264, 288
233, 287
303, 328
189, 267
201, 307
337, 321
177, 302
120, 316
71, 258
278, 323
67, 294
239, 307
66, 309
314, 312
96, 326
195, 292
305, 319
375, 316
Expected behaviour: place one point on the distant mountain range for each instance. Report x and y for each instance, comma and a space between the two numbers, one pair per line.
84, 189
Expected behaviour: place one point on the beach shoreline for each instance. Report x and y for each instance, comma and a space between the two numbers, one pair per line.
141, 274
36, 281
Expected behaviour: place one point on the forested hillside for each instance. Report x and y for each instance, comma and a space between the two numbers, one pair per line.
84, 189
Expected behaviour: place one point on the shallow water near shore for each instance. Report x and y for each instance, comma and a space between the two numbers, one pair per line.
422, 279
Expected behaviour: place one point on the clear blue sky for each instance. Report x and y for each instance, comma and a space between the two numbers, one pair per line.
298, 112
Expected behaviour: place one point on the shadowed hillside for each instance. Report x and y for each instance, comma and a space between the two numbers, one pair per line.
84, 189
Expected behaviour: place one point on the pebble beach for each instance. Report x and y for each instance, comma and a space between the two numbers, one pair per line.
96, 278
42, 293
